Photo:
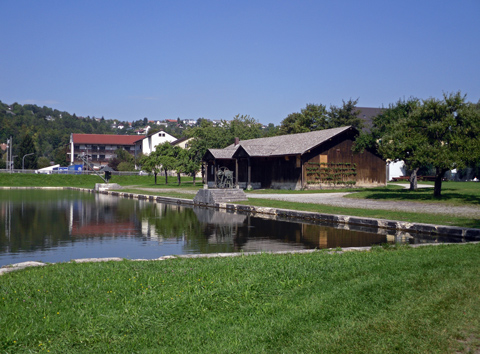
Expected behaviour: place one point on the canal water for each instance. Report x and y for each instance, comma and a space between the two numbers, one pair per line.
58, 226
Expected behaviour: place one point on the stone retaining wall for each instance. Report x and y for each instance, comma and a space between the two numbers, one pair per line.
467, 233
394, 225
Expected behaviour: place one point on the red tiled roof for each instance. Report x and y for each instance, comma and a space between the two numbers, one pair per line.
105, 139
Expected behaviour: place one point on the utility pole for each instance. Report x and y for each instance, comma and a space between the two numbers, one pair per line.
10, 154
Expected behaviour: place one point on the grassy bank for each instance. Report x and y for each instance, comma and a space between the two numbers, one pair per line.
41, 180
387, 300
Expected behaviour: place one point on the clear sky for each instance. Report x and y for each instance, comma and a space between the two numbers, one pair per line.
214, 59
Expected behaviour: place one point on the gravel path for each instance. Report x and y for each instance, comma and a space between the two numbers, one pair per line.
337, 199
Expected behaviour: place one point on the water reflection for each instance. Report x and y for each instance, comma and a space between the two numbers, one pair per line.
54, 226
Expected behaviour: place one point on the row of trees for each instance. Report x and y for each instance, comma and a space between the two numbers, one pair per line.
171, 158
205, 136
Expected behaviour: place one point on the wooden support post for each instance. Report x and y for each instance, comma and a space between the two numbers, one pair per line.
236, 172
215, 173
249, 175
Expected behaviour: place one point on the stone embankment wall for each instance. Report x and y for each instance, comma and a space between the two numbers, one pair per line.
466, 233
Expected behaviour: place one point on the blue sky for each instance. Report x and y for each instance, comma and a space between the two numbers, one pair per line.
214, 59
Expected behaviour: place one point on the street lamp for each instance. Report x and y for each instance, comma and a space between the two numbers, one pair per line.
23, 160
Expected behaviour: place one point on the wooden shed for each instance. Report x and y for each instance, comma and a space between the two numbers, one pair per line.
314, 160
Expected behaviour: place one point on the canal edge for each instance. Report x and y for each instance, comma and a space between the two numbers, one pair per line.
394, 225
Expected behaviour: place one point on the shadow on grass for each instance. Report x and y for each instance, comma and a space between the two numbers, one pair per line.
473, 223
421, 195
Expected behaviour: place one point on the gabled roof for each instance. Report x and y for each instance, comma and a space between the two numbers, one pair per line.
105, 139
220, 153
158, 132
178, 141
293, 144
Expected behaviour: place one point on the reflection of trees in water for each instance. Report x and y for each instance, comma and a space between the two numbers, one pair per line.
32, 220
26, 227
187, 224
170, 221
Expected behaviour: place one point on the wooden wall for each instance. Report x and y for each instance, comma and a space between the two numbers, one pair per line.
365, 169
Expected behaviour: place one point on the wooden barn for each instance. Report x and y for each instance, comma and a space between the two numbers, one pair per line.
314, 160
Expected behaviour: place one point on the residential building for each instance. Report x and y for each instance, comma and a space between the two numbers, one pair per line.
148, 143
182, 142
99, 148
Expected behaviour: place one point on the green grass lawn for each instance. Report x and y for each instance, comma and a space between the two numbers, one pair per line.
43, 180
453, 193
393, 299
89, 181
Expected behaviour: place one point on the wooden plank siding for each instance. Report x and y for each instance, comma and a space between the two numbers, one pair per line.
370, 169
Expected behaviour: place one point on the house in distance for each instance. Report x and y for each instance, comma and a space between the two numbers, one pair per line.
100, 148
314, 160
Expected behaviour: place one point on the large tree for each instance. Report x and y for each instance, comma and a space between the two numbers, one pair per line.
442, 133
241, 126
381, 125
317, 117
165, 155
27, 147
346, 115
312, 117
150, 164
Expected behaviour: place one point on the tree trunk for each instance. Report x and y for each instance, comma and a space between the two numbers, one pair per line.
437, 189
413, 180
155, 174
179, 179
194, 179
166, 177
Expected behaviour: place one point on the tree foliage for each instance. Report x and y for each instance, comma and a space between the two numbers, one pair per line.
210, 136
162, 158
122, 162
48, 128
27, 147
317, 117
442, 133
381, 126
346, 115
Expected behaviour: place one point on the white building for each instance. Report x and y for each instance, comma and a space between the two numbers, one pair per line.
395, 169
150, 142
